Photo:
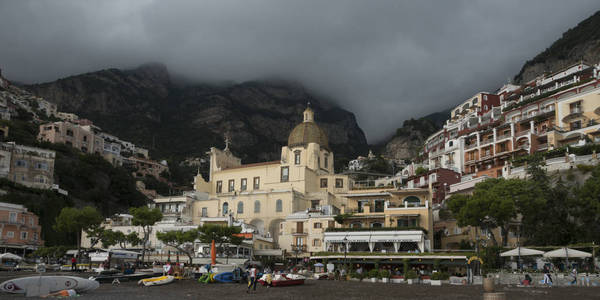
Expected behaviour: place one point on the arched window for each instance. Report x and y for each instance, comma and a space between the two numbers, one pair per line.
240, 209
376, 225
256, 206
356, 225
412, 201
278, 205
225, 208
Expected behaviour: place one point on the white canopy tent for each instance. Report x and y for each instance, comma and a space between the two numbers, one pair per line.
567, 253
10, 256
521, 251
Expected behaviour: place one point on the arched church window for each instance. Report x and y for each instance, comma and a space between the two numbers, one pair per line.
225, 208
256, 206
278, 205
240, 208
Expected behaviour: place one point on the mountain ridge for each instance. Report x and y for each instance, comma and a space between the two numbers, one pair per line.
144, 106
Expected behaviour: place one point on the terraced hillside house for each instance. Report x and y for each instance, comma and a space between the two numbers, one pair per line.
29, 166
20, 230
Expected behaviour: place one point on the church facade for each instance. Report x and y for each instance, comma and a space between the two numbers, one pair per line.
264, 194
294, 200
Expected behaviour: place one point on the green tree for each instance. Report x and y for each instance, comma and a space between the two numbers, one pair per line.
220, 234
111, 238
146, 218
492, 205
183, 241
74, 221
588, 207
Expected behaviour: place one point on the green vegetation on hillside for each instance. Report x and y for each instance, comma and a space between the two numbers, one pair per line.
563, 48
89, 179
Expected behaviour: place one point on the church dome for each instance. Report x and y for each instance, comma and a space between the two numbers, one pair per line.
308, 132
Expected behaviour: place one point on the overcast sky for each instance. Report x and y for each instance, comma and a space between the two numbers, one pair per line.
386, 61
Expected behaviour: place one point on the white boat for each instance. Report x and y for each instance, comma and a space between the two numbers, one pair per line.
156, 280
47, 283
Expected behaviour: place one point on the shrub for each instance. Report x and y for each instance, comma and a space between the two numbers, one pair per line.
374, 273
585, 168
384, 274
412, 274
440, 276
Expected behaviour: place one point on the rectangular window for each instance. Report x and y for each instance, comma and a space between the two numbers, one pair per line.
297, 157
69, 132
314, 204
379, 205
339, 183
10, 234
35, 236
575, 125
318, 225
575, 107
231, 185
23, 235
323, 182
285, 174
219, 186
330, 224
31, 221
316, 243
244, 184
205, 212
326, 162
12, 217
256, 183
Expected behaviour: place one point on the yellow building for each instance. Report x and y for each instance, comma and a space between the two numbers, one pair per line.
294, 200
577, 115
264, 194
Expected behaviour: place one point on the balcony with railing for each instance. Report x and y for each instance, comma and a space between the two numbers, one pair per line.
503, 136
296, 231
473, 145
298, 248
522, 133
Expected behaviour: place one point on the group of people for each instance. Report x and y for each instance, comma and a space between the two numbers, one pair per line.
548, 281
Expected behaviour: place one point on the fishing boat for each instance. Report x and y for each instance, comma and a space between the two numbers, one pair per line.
283, 280
156, 280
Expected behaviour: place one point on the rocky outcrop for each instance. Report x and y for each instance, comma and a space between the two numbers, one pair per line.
176, 121
579, 43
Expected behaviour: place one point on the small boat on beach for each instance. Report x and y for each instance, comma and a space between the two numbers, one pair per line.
156, 280
283, 280
121, 277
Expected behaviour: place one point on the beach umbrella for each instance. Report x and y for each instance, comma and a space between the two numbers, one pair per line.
567, 253
521, 251
10, 256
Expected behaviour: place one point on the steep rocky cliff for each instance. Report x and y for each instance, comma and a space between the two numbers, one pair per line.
408, 139
180, 120
579, 43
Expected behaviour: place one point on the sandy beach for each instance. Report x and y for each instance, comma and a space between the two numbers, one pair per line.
190, 289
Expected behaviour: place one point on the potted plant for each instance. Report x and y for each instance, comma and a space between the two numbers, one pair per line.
410, 276
437, 277
355, 276
385, 276
374, 275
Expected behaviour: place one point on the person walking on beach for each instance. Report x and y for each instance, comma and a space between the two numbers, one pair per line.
251, 279
574, 274
73, 264
547, 278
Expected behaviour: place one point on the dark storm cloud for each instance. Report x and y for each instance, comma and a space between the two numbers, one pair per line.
384, 60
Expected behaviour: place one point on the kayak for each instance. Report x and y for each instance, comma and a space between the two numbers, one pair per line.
156, 280
121, 277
